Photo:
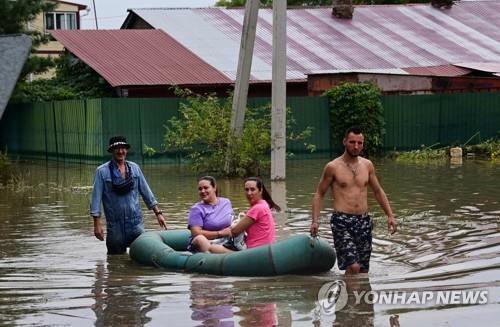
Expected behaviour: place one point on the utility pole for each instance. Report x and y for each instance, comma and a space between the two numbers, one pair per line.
278, 120
243, 72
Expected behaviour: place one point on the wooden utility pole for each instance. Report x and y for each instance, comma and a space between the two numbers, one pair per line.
243, 72
278, 122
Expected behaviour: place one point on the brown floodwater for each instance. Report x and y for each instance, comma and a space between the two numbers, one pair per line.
53, 272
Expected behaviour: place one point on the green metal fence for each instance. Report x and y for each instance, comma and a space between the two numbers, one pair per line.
445, 119
78, 131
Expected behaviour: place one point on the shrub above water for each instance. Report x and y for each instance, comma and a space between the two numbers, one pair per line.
202, 132
357, 104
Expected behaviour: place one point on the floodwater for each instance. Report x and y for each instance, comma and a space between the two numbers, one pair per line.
53, 272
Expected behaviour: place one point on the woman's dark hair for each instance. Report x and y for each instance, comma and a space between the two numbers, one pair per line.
212, 182
265, 194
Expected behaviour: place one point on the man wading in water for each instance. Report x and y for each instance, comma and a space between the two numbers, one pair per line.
348, 176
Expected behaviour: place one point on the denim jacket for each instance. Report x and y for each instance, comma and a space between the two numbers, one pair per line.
117, 207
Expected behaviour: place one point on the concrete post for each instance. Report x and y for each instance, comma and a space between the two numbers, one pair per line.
278, 123
244, 66
243, 74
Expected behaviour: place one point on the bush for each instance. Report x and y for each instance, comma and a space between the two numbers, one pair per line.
489, 148
5, 167
203, 132
357, 104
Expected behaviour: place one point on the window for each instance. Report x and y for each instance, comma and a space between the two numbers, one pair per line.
60, 21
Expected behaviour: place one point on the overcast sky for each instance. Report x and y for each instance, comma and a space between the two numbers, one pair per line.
112, 13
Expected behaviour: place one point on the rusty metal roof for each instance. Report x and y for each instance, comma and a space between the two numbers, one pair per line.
139, 57
442, 70
382, 37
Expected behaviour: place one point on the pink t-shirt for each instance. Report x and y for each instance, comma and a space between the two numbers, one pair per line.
262, 231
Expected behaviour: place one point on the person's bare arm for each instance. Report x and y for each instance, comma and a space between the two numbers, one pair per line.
381, 198
210, 235
239, 228
323, 185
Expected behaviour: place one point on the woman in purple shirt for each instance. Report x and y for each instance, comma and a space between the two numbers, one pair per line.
208, 217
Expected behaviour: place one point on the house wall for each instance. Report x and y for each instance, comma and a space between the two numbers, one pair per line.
138, 23
405, 84
254, 90
53, 47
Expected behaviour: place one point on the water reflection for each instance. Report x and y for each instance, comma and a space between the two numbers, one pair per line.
358, 310
216, 303
118, 299
212, 304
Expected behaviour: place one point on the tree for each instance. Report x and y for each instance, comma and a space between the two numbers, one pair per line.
73, 80
15, 17
202, 133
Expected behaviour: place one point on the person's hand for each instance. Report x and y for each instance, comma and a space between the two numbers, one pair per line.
314, 229
161, 221
392, 225
226, 232
99, 232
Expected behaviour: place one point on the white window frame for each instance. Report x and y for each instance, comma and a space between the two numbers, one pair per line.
66, 15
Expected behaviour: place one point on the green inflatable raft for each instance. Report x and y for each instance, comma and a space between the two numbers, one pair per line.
298, 254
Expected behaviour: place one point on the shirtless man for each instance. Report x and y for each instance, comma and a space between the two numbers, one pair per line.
348, 176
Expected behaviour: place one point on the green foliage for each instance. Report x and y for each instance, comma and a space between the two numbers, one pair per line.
15, 17
203, 133
85, 82
74, 80
489, 148
424, 154
357, 104
5, 167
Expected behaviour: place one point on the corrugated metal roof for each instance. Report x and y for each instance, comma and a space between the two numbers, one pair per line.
378, 37
482, 66
391, 71
138, 57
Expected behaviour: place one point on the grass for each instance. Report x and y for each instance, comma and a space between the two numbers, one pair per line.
489, 149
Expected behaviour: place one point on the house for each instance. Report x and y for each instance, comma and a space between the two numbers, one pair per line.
142, 63
389, 40
66, 16
461, 77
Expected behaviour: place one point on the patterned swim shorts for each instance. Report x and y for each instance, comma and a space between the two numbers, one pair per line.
352, 238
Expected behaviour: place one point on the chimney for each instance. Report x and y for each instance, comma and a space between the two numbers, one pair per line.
342, 9
446, 4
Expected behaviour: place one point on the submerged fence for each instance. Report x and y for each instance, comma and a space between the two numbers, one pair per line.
78, 130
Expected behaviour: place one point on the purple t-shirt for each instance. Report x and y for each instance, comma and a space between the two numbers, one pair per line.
211, 217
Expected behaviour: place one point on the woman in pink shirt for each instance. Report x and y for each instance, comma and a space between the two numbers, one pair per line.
258, 222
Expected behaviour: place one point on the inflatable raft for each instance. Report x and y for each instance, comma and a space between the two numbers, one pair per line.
296, 255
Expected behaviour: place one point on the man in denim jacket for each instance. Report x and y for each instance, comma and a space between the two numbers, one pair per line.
117, 184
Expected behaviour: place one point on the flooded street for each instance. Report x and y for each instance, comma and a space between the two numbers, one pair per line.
54, 272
